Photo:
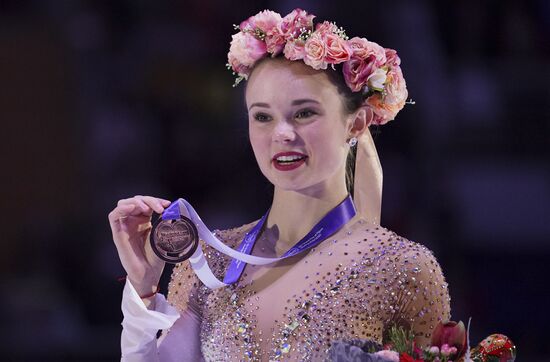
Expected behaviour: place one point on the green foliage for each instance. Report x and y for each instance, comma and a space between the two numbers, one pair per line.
401, 340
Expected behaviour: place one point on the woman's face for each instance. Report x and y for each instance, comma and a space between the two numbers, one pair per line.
297, 126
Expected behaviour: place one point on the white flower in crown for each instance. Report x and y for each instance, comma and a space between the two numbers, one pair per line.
377, 79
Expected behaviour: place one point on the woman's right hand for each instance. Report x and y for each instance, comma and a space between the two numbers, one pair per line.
130, 223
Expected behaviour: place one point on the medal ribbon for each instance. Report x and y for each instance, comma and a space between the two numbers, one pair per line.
327, 226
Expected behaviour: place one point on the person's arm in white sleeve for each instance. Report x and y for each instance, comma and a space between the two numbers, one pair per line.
140, 324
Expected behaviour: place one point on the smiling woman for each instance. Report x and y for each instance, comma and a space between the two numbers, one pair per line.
305, 116
335, 273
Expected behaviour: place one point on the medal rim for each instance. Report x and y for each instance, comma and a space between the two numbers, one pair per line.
179, 259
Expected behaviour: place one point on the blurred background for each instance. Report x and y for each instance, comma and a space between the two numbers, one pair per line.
102, 100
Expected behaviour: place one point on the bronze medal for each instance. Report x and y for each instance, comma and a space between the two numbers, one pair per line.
174, 240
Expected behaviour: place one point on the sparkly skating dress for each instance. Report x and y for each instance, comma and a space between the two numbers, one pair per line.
354, 285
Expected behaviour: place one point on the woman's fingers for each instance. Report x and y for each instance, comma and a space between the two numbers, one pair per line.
136, 207
152, 202
131, 223
147, 203
121, 211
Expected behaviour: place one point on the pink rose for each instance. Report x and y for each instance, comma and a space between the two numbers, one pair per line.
265, 21
389, 355
275, 41
391, 57
387, 104
367, 57
315, 51
448, 351
326, 27
295, 49
237, 67
244, 51
356, 73
337, 49
363, 49
292, 24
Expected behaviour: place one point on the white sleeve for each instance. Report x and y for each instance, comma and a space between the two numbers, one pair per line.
140, 325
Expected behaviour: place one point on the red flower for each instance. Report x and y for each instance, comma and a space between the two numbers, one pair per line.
452, 334
404, 357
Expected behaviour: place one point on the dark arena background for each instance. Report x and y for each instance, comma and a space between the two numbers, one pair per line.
102, 100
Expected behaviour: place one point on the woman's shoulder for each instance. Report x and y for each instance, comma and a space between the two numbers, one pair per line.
381, 242
410, 278
389, 256
234, 235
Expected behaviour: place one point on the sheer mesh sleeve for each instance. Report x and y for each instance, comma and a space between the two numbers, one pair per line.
186, 291
418, 299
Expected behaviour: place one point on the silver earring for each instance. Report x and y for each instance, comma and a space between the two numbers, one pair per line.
352, 141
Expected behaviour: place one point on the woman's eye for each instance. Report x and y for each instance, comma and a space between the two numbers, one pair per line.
306, 113
261, 117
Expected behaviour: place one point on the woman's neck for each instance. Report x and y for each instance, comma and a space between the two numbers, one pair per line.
293, 214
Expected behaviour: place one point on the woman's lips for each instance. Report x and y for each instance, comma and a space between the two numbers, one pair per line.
288, 166
286, 161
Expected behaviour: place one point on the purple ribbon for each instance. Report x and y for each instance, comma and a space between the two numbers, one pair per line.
327, 226
172, 212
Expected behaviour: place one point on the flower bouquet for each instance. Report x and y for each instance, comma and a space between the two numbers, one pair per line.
449, 343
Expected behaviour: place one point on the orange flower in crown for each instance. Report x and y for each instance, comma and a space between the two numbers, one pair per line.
367, 67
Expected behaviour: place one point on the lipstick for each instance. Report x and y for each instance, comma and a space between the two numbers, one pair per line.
287, 161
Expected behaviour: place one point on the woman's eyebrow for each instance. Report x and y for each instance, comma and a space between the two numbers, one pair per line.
264, 105
298, 102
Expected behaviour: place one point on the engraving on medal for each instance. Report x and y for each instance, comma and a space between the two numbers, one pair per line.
174, 240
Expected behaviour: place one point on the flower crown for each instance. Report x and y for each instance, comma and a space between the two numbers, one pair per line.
367, 67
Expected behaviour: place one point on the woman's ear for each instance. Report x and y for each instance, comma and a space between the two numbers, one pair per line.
361, 120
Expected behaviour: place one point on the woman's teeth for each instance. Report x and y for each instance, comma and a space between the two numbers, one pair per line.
286, 159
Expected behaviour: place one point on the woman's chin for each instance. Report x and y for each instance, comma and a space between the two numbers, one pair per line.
287, 183
299, 186
287, 186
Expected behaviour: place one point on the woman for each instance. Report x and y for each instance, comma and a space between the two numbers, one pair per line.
356, 282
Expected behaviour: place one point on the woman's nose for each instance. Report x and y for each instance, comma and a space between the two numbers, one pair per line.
284, 132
